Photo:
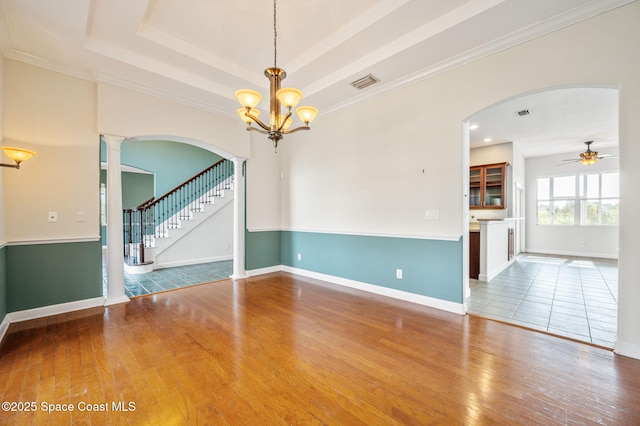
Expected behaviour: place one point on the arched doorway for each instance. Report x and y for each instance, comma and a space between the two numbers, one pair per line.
115, 270
575, 258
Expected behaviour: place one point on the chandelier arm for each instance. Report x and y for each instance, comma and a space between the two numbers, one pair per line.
284, 120
257, 121
286, 132
255, 129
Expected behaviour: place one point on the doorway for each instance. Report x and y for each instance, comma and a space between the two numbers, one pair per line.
541, 132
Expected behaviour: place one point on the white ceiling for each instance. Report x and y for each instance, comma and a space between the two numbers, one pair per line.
558, 121
198, 52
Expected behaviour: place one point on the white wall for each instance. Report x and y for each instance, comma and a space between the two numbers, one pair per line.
263, 183
359, 170
211, 241
595, 241
497, 153
126, 113
54, 115
3, 237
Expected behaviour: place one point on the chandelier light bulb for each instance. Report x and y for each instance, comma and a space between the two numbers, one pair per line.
287, 123
307, 114
242, 112
248, 98
289, 96
279, 123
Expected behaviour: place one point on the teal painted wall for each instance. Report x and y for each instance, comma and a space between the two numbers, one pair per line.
48, 274
262, 249
430, 267
136, 188
171, 162
3, 283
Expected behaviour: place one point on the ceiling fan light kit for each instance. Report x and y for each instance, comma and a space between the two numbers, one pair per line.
279, 97
589, 157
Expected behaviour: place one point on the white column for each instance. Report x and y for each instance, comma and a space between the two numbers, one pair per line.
115, 256
238, 221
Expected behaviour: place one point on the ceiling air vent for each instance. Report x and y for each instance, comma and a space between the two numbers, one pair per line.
365, 81
523, 112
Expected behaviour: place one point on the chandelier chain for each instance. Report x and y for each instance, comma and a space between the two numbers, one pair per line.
275, 37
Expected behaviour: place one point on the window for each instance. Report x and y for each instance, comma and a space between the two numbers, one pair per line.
599, 199
103, 204
586, 199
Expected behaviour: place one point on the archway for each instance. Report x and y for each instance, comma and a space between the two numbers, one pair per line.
115, 270
569, 115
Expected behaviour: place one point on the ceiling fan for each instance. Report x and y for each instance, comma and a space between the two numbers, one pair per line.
589, 157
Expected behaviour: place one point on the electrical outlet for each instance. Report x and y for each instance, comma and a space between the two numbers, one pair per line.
81, 217
399, 274
299, 256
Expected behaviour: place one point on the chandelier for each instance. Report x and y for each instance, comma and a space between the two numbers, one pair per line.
288, 97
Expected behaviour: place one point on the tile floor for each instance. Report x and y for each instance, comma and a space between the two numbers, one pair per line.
568, 296
171, 278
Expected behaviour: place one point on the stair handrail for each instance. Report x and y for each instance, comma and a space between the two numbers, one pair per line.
144, 204
144, 217
183, 184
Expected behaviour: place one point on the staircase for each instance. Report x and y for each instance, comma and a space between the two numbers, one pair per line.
153, 229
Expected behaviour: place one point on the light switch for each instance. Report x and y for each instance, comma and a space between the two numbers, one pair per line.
431, 214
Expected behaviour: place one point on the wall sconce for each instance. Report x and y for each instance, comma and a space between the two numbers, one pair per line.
16, 154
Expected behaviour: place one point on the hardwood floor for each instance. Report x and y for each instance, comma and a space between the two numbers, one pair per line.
280, 349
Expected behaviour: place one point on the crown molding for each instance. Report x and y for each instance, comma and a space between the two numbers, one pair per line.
522, 36
578, 14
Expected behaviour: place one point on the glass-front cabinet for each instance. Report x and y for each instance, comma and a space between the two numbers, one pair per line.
486, 186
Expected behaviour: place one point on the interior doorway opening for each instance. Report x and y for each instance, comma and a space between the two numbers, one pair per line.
184, 215
576, 261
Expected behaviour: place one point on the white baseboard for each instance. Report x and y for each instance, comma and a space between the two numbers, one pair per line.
46, 311
494, 273
262, 271
571, 253
627, 349
456, 308
4, 326
138, 269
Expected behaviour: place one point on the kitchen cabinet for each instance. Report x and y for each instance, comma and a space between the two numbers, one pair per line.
487, 186
474, 254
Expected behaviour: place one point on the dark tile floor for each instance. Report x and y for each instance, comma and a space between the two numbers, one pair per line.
172, 278
568, 296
